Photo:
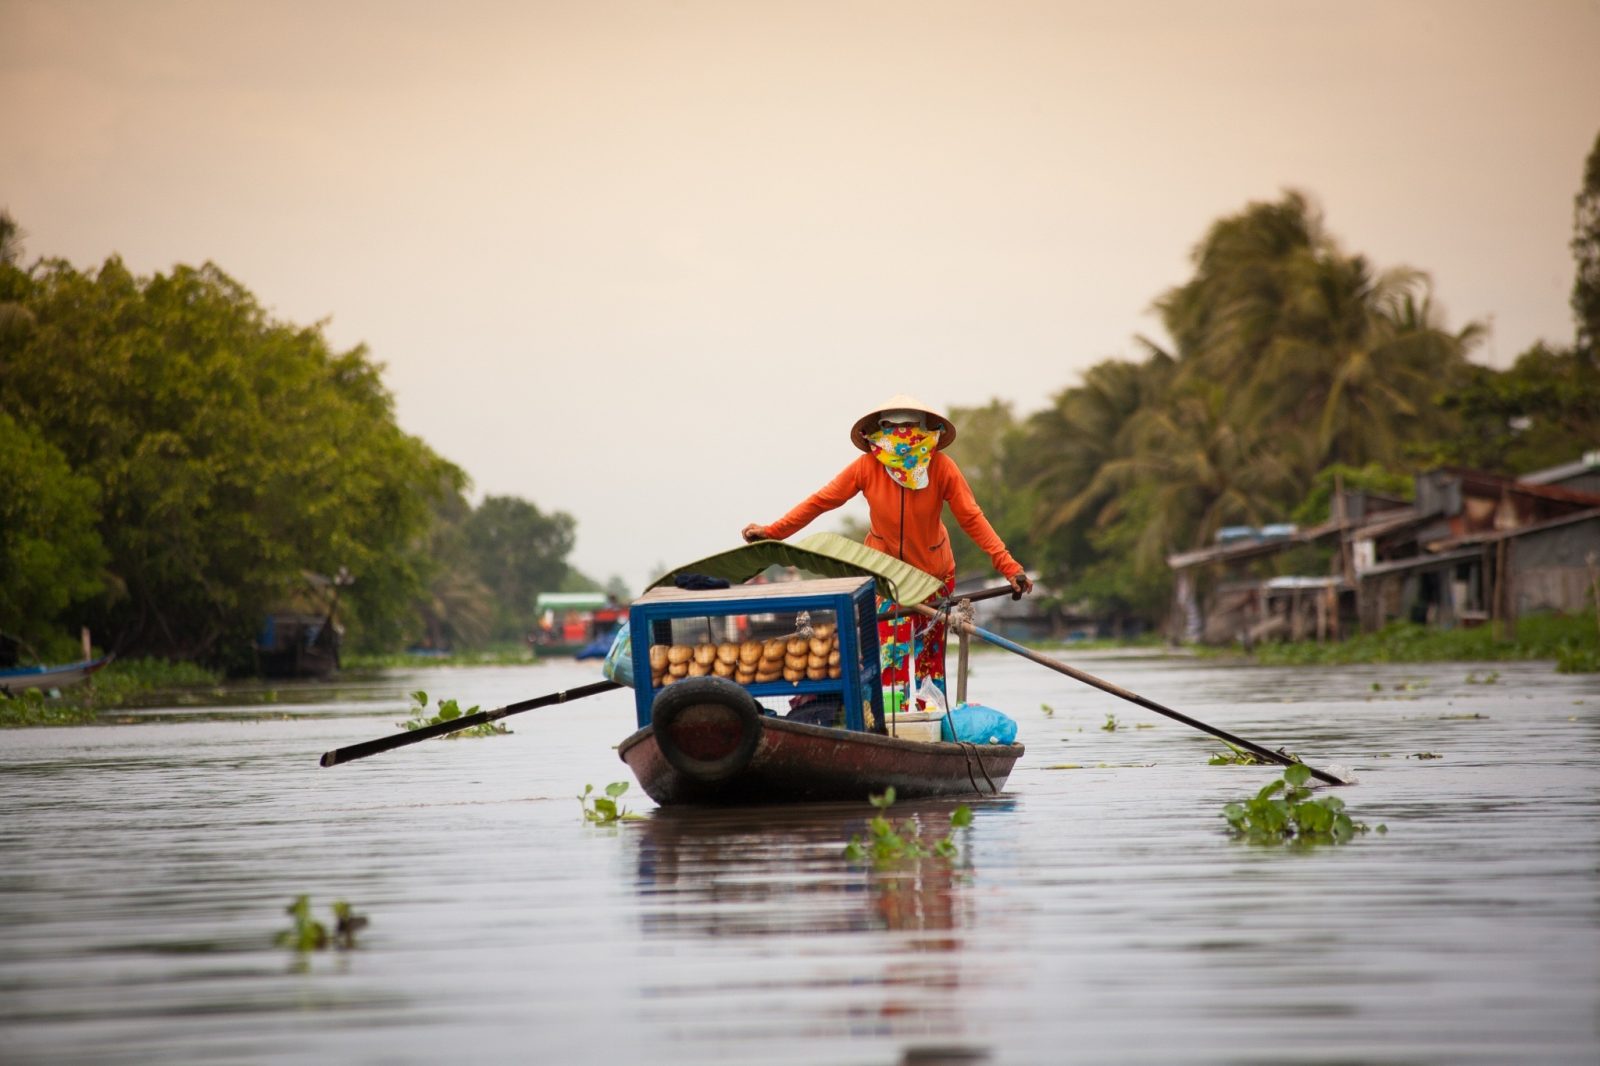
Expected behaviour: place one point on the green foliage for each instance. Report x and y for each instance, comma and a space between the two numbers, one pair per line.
985, 452
1317, 504
1112, 725
517, 552
231, 452
1290, 358
490, 655
1539, 636
31, 707
308, 934
1586, 257
1284, 812
1543, 411
121, 683
888, 843
51, 555
448, 711
606, 809
1235, 757
1576, 659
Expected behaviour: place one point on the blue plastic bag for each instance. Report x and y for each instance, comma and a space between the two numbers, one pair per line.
619, 660
977, 724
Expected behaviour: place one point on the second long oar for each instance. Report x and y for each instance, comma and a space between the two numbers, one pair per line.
466, 721
1328, 776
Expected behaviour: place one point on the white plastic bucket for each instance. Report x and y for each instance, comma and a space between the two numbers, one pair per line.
916, 725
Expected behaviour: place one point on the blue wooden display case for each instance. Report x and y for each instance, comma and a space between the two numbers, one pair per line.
850, 599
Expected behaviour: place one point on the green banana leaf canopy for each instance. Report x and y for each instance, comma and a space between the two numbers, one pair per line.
824, 554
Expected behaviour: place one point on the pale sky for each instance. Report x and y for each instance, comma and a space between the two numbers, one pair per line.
645, 262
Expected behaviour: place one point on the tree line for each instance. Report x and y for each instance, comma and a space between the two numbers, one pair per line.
1292, 365
176, 463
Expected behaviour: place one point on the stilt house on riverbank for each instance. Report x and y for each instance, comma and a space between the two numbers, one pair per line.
1469, 548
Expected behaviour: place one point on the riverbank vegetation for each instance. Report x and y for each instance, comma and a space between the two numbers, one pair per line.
1292, 364
182, 460
1570, 640
122, 683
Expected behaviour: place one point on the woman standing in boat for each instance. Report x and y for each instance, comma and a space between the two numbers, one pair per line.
907, 481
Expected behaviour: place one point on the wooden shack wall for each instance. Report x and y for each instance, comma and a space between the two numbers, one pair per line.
1550, 568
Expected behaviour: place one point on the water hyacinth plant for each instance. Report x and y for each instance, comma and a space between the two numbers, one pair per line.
1235, 756
308, 934
448, 711
1284, 812
606, 810
888, 843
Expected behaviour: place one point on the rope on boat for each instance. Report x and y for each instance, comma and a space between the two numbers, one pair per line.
970, 750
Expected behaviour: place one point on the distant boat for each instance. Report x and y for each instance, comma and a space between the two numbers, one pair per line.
575, 624
19, 678
298, 643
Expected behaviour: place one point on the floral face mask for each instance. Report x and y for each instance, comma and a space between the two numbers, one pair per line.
905, 451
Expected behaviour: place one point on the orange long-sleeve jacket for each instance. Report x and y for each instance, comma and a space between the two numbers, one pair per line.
906, 523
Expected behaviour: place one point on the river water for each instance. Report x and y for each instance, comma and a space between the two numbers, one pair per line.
1097, 912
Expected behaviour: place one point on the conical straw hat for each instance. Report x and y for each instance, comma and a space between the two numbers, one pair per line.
901, 402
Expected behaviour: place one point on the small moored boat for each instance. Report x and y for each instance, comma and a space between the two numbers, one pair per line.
19, 678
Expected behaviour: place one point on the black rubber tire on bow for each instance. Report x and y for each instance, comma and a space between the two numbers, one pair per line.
675, 699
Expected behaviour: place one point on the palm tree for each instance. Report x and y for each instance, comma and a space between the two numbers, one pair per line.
1341, 365
1356, 367
1084, 430
1193, 469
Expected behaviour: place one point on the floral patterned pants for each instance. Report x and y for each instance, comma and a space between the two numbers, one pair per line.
912, 636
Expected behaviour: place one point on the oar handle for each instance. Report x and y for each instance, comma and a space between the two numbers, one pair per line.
1132, 697
950, 601
439, 729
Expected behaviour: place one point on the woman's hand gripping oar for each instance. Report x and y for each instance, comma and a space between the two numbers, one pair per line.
466, 721
1344, 777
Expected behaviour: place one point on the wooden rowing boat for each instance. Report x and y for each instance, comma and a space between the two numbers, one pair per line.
705, 739
714, 754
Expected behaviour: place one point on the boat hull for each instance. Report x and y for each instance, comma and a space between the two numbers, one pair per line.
23, 678
797, 763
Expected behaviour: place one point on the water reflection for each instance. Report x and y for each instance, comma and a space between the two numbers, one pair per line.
781, 871
775, 882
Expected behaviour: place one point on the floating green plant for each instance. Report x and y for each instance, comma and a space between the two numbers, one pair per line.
1111, 725
448, 711
1235, 757
1425, 755
308, 934
31, 707
1047, 710
1575, 659
605, 810
1284, 812
1489, 678
888, 843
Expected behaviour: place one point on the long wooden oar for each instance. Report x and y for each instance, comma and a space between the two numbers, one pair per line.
951, 601
1132, 697
466, 721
